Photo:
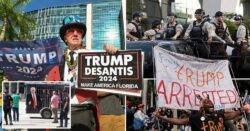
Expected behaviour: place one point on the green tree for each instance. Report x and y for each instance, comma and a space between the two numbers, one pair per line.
14, 24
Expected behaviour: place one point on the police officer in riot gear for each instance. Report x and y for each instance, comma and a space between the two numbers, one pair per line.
155, 33
134, 28
200, 31
172, 29
241, 34
220, 27
221, 34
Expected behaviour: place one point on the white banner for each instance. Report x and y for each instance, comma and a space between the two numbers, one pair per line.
179, 78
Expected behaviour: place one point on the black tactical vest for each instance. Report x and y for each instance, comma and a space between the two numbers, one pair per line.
220, 30
170, 31
196, 32
158, 36
139, 31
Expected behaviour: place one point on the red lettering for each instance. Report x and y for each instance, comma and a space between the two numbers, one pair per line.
196, 100
221, 97
204, 94
175, 85
211, 125
219, 76
161, 90
179, 72
204, 126
201, 81
210, 76
189, 74
213, 95
186, 95
233, 95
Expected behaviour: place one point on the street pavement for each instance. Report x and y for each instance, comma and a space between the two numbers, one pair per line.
33, 121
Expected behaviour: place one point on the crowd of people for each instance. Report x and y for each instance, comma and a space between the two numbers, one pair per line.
206, 118
58, 100
204, 30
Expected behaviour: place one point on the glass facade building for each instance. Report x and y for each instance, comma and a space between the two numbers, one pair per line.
107, 26
49, 20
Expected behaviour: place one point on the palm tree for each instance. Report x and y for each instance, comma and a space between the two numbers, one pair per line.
14, 24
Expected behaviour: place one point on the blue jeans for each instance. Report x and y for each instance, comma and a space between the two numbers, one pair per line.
15, 113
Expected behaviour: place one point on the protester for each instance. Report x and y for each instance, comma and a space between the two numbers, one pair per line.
15, 106
247, 107
139, 118
129, 115
54, 104
72, 33
202, 119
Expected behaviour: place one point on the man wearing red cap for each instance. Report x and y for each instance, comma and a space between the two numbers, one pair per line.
139, 118
72, 33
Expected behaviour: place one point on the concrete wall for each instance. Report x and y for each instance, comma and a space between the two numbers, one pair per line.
212, 6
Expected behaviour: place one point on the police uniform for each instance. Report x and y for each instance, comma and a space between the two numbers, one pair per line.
199, 32
170, 29
153, 34
221, 30
134, 29
241, 34
195, 31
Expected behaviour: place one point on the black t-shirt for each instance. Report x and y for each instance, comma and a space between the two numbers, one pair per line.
209, 122
63, 102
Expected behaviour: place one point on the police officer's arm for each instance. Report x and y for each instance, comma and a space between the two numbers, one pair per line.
130, 28
232, 114
209, 30
178, 29
186, 35
175, 121
215, 37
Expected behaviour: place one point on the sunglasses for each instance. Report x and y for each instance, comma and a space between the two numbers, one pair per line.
72, 30
71, 19
198, 14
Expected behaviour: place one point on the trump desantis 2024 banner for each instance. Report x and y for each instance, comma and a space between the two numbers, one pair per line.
180, 78
29, 60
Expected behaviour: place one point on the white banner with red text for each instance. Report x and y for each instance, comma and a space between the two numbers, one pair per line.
180, 78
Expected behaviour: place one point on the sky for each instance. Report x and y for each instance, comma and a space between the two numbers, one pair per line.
40, 4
